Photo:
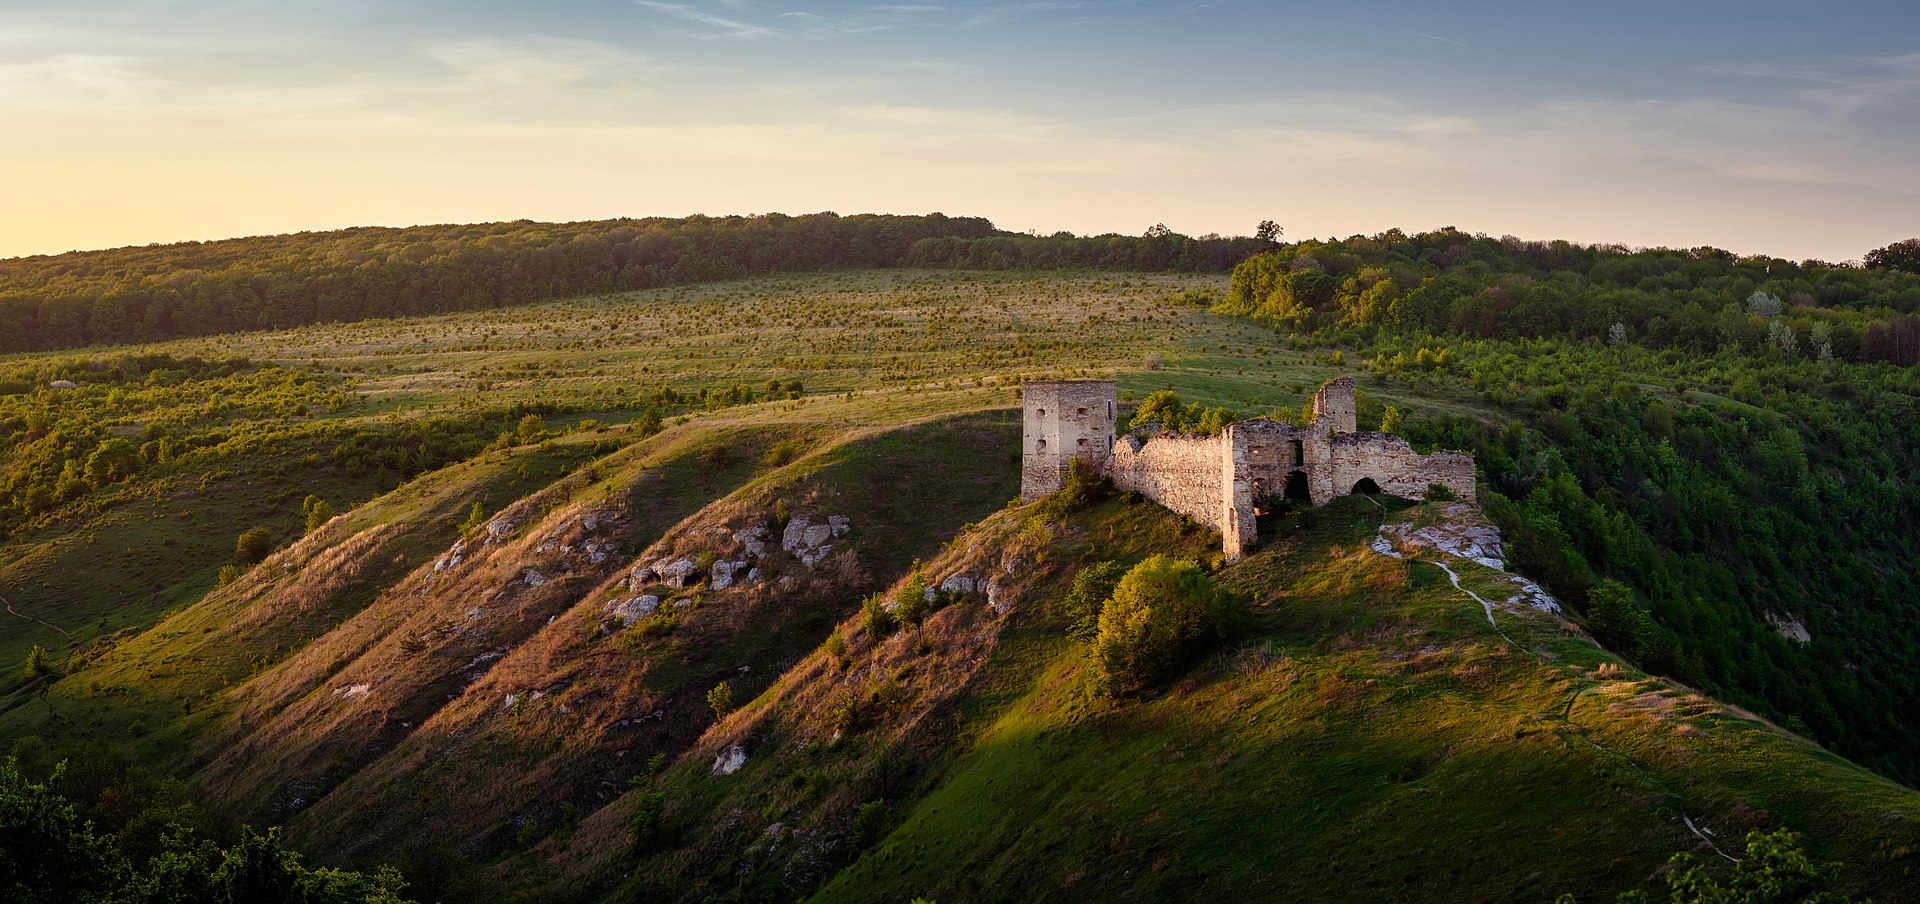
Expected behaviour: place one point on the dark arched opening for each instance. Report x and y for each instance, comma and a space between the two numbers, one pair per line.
1296, 488
1366, 487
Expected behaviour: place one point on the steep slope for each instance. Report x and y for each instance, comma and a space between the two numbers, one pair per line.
160, 691
1374, 733
500, 676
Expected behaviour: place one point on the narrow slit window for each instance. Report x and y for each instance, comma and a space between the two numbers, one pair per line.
1299, 452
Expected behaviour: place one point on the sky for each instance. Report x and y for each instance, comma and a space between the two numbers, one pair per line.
1758, 126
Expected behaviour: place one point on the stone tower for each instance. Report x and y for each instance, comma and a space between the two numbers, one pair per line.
1065, 420
1335, 403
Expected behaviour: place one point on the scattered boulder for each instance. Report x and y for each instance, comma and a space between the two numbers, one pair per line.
533, 578
677, 573
753, 540
809, 541
62, 384
499, 529
721, 576
840, 525
958, 585
632, 610
730, 760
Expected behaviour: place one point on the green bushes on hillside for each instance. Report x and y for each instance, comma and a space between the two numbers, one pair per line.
1161, 613
1165, 409
1728, 438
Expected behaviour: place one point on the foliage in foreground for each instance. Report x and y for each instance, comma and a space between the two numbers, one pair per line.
1775, 871
49, 853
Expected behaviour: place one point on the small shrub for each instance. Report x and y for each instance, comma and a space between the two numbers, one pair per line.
780, 453
844, 715
878, 621
1614, 618
1091, 587
1440, 492
1162, 612
721, 699
648, 423
924, 645
644, 824
1083, 488
1390, 421
532, 430
37, 665
230, 573
837, 645
868, 823
318, 512
912, 609
253, 546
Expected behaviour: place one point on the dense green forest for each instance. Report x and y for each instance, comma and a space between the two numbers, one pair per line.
1734, 438
158, 292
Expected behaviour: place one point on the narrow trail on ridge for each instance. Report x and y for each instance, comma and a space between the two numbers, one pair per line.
13, 611
1383, 546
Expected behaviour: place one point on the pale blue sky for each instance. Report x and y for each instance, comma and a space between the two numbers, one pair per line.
1760, 127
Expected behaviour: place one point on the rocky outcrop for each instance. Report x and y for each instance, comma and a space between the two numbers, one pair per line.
810, 541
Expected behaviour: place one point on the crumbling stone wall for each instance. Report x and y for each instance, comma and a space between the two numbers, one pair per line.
1184, 473
1063, 420
1216, 480
1392, 465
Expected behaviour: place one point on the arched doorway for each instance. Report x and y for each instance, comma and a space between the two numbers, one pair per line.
1297, 487
1366, 487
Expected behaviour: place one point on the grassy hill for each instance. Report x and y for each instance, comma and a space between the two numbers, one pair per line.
1368, 735
398, 678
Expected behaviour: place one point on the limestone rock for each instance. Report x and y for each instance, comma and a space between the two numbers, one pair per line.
722, 575
677, 573
753, 540
62, 384
809, 541
959, 585
730, 760
499, 529
533, 578
632, 610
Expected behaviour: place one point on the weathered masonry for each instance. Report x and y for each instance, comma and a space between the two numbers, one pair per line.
1216, 479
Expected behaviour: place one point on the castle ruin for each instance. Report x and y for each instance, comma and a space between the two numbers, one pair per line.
1216, 480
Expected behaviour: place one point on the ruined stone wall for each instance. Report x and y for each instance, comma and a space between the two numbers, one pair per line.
1391, 463
1337, 405
1062, 421
1187, 474
1271, 452
1215, 480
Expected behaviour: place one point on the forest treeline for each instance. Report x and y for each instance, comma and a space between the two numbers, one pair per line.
1726, 444
159, 292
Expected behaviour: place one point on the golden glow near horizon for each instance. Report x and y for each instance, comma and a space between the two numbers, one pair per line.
152, 122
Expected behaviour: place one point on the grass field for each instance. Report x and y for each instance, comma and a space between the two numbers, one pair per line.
869, 348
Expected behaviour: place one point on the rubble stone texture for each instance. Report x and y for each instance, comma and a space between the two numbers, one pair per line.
1064, 420
1217, 480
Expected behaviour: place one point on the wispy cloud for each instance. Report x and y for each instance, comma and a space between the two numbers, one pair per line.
1845, 87
723, 26
1442, 40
